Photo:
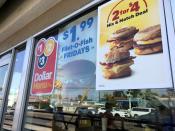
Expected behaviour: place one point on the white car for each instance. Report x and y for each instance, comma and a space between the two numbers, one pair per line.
139, 111
101, 110
31, 107
120, 113
92, 110
115, 112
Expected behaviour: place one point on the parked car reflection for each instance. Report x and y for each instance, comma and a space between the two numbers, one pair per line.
140, 111
115, 112
86, 111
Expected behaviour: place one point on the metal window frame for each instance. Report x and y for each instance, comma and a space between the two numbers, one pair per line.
14, 47
6, 60
10, 61
170, 16
170, 34
91, 5
3, 63
23, 88
6, 88
24, 85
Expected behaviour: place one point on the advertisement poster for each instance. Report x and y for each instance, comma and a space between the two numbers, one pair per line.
77, 52
44, 66
132, 48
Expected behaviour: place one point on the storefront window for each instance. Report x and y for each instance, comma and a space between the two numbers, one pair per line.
14, 89
39, 110
4, 63
3, 71
74, 103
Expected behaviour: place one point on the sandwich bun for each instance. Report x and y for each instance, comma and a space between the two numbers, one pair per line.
149, 50
125, 32
117, 70
148, 41
110, 74
149, 33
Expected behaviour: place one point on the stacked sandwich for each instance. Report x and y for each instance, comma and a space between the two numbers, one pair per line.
123, 38
148, 41
117, 60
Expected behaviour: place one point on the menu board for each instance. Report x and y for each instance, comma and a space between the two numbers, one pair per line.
44, 66
132, 48
77, 52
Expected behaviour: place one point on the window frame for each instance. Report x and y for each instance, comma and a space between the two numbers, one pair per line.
20, 110
5, 91
94, 6
4, 62
10, 61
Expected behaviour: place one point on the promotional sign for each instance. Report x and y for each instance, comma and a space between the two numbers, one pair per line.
44, 66
132, 48
77, 54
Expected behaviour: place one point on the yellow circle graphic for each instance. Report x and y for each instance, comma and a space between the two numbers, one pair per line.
49, 47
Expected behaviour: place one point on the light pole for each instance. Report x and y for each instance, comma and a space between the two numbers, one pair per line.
129, 98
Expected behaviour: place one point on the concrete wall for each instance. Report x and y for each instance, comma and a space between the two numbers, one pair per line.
57, 12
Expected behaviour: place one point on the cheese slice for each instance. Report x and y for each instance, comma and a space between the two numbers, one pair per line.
156, 40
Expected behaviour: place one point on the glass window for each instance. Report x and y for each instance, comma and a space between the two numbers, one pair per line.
14, 89
4, 63
39, 114
3, 71
75, 104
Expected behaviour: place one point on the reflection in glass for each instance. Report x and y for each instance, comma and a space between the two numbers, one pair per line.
153, 107
3, 71
14, 88
75, 104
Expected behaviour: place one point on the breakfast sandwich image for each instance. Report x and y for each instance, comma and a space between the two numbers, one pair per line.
123, 37
117, 63
148, 41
